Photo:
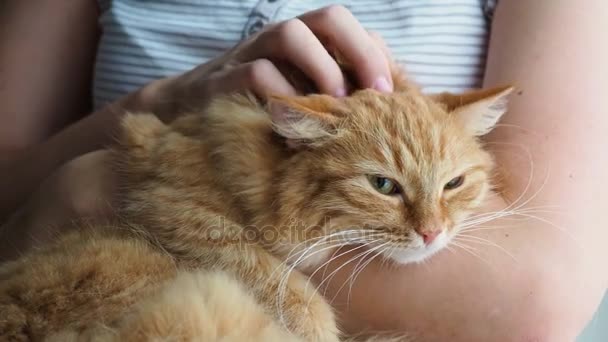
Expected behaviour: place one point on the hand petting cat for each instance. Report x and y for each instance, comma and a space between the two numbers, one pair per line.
256, 63
82, 187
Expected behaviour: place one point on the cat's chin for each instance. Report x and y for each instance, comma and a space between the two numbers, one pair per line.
417, 253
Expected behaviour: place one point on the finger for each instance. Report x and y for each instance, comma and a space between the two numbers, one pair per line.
294, 42
397, 74
381, 44
260, 76
336, 24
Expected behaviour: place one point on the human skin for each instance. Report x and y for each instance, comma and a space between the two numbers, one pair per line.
550, 286
42, 124
554, 284
46, 165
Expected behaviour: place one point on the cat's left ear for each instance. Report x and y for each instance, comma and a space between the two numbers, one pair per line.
306, 120
477, 110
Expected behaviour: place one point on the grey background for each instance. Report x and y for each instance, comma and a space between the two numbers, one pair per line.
597, 329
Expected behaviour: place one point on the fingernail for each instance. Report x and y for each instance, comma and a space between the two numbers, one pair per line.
383, 85
341, 92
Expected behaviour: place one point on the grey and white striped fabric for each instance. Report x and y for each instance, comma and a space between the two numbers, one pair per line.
442, 43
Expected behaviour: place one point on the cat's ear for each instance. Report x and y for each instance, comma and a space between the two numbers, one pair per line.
477, 110
306, 120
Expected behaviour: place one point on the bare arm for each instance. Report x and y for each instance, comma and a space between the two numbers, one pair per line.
49, 70
46, 61
552, 285
47, 50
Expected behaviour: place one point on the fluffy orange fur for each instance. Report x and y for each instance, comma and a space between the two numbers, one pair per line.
222, 210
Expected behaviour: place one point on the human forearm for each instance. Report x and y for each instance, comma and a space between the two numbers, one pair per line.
535, 276
80, 188
47, 53
555, 58
21, 175
248, 67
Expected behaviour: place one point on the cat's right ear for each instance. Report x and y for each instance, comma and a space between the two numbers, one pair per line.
477, 110
305, 120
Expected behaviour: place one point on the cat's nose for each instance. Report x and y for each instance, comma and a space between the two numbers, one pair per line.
429, 236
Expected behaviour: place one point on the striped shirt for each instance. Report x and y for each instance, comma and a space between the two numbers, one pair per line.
442, 43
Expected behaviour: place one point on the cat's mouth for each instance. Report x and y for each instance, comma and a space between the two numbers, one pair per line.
416, 250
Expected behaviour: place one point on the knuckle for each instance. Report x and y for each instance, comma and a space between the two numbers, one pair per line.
334, 12
371, 53
259, 69
375, 36
290, 29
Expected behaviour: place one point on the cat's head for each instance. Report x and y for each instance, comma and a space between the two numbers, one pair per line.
402, 169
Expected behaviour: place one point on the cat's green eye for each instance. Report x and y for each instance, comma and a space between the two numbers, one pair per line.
384, 185
454, 183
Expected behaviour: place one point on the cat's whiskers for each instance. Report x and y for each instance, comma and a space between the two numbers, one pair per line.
450, 249
282, 288
327, 280
518, 212
349, 240
481, 226
286, 275
554, 225
307, 253
522, 214
386, 261
502, 214
513, 205
147, 236
470, 250
474, 224
507, 215
357, 271
475, 239
503, 125
334, 257
330, 258
302, 255
293, 253
362, 254
286, 265
358, 256
530, 177
478, 228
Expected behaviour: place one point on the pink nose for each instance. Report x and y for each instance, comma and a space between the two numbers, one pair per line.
429, 236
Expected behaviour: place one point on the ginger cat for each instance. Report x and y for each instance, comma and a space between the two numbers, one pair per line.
222, 210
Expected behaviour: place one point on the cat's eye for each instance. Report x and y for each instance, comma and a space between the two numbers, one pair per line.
384, 185
454, 183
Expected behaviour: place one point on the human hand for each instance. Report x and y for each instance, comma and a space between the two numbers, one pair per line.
82, 187
304, 42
